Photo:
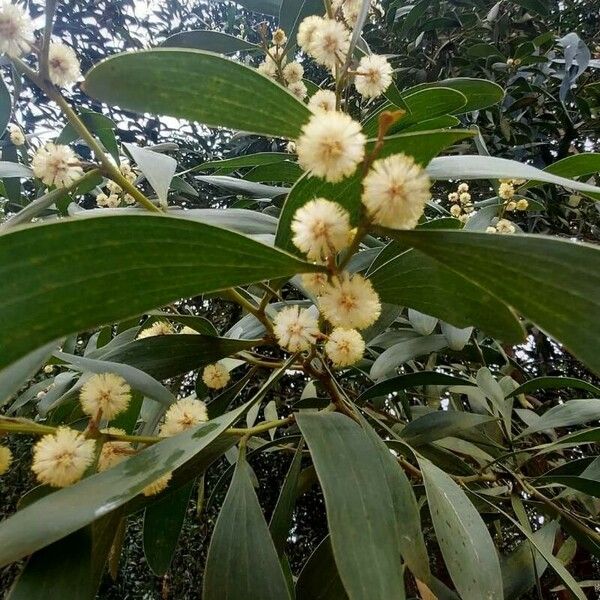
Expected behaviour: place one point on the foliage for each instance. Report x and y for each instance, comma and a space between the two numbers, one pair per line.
442, 472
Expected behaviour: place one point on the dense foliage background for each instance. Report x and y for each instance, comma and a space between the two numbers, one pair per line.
511, 42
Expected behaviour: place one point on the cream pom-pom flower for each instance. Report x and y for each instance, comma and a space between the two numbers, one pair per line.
295, 328
298, 89
330, 43
182, 415
108, 201
345, 347
158, 485
16, 135
331, 146
114, 452
505, 226
321, 228
293, 72
61, 458
16, 29
5, 459
395, 192
63, 64
374, 76
314, 282
56, 165
279, 37
306, 31
106, 392
215, 376
322, 101
157, 328
350, 301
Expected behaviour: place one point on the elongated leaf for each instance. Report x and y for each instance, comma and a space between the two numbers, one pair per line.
554, 383
464, 540
586, 485
553, 282
10, 169
572, 412
163, 521
440, 424
414, 279
360, 509
242, 561
407, 380
248, 160
170, 355
198, 86
489, 167
241, 186
577, 165
319, 578
214, 41
69, 509
79, 274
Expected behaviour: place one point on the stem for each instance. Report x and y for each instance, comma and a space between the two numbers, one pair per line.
50, 10
246, 433
259, 362
236, 297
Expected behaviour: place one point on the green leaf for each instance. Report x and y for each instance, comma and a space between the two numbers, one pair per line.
488, 167
554, 383
163, 521
265, 7
586, 485
198, 86
69, 509
415, 280
407, 380
227, 165
240, 186
156, 167
360, 508
465, 542
552, 282
9, 169
572, 412
440, 424
166, 356
104, 259
5, 106
213, 41
319, 578
480, 93
285, 172
242, 561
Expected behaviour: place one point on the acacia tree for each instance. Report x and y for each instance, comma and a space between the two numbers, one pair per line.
398, 308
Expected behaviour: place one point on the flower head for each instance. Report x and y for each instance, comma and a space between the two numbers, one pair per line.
462, 188
108, 201
505, 226
16, 29
16, 135
322, 101
63, 64
345, 347
331, 146
455, 210
330, 43
464, 198
522, 204
5, 459
321, 228
453, 196
298, 89
279, 37
158, 485
114, 452
350, 301
314, 282
61, 458
293, 72
157, 328
374, 76
506, 191
215, 376
105, 392
395, 191
295, 328
183, 415
56, 165
306, 31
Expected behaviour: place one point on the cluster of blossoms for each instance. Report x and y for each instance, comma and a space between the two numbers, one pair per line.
507, 191
56, 165
501, 226
115, 194
17, 137
461, 202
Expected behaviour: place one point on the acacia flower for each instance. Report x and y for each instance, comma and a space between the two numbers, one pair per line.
279, 37
321, 228
158, 485
522, 204
108, 201
506, 191
330, 43
331, 146
157, 328
505, 226
395, 191
5, 459
215, 376
295, 328
314, 282
182, 415
107, 392
16, 135
113, 452
16, 30
350, 301
63, 64
56, 165
322, 101
61, 458
455, 210
306, 32
345, 347
293, 72
298, 89
374, 76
